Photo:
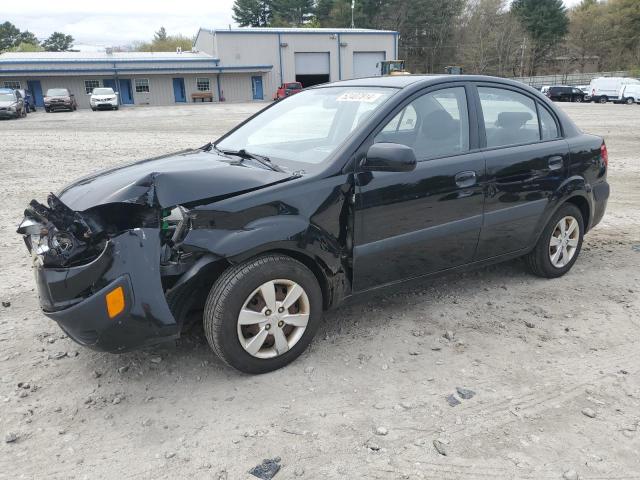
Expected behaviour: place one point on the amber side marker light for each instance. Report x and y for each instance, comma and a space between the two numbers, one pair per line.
115, 302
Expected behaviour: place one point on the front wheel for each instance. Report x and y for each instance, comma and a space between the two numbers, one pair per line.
603, 99
629, 101
559, 245
261, 315
578, 99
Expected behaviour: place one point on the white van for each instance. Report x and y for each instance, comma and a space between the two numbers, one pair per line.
603, 89
629, 94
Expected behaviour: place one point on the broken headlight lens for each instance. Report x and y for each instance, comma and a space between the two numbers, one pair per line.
42, 242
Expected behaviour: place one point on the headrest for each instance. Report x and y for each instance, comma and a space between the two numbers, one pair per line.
513, 120
438, 124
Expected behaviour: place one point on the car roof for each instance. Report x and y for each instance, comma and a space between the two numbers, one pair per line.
404, 81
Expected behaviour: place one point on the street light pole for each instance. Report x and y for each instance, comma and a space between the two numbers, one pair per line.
353, 5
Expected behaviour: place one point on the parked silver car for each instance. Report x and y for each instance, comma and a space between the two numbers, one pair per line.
11, 104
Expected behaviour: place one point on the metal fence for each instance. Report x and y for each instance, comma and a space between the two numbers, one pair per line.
572, 79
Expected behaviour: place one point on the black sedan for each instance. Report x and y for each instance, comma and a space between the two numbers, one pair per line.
338, 190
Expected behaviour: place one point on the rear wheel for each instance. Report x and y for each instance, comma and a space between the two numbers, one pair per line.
629, 101
603, 99
262, 314
559, 245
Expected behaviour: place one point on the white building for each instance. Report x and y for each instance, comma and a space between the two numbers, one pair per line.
241, 64
306, 55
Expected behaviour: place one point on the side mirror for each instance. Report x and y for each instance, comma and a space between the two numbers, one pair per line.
389, 157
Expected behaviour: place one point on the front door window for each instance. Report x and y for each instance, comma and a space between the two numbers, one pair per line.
434, 125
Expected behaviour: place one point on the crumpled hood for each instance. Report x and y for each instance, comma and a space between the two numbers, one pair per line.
170, 180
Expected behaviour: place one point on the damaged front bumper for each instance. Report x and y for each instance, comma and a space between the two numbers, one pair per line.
75, 297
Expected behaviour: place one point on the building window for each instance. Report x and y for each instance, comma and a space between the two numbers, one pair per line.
89, 85
203, 84
12, 84
142, 85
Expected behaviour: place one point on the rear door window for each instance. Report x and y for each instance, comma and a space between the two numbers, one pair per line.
510, 118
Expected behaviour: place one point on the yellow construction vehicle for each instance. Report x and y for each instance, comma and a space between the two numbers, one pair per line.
393, 67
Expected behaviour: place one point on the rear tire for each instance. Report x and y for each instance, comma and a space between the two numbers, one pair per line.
629, 101
239, 289
603, 99
541, 259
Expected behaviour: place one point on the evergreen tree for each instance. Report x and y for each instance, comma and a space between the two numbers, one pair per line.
252, 13
292, 13
58, 42
546, 23
160, 35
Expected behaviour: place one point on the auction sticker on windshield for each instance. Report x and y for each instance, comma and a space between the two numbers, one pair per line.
365, 97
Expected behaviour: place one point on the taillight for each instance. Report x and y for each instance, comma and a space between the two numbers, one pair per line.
604, 155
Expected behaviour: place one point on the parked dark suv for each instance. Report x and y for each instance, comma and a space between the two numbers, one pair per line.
566, 94
337, 190
59, 99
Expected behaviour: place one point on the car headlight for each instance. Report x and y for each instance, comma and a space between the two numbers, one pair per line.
12, 109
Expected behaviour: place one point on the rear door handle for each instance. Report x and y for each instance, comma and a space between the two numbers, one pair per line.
555, 163
466, 179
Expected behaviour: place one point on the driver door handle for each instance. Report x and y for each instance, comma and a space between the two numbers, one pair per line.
466, 179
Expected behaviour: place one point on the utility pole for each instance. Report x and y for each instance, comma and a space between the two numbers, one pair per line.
524, 47
353, 6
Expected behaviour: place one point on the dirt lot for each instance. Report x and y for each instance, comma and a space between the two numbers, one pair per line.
368, 399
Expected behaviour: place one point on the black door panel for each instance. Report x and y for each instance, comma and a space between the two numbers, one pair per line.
419, 222
520, 182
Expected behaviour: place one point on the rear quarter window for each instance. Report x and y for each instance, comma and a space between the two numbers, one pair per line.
548, 126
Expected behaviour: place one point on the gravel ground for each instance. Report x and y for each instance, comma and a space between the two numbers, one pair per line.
554, 365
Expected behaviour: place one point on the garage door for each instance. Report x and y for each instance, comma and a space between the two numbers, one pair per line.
312, 68
367, 64
316, 63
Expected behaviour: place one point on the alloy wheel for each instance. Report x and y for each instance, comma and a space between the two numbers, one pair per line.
273, 318
564, 240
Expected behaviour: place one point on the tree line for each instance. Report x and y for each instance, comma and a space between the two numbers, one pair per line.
493, 37
12, 39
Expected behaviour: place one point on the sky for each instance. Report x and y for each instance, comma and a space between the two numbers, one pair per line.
120, 22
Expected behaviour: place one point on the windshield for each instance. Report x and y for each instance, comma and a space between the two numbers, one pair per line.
103, 91
7, 97
309, 126
57, 92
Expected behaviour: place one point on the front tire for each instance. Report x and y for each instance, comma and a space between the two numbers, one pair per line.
629, 101
261, 315
603, 99
559, 245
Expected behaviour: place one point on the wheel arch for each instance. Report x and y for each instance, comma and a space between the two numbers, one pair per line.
583, 205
